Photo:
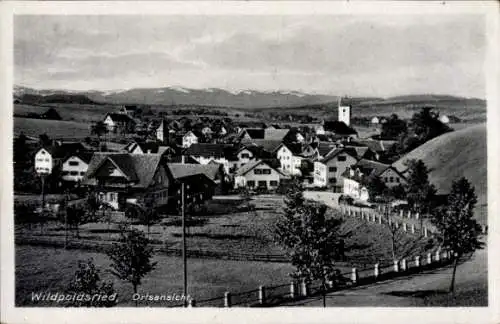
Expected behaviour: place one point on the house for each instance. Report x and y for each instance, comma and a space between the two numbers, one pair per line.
119, 123
292, 135
128, 110
74, 166
49, 157
363, 152
444, 119
206, 131
137, 147
124, 178
290, 157
377, 146
204, 153
375, 121
359, 175
268, 147
246, 154
258, 174
189, 139
51, 114
213, 171
319, 129
253, 133
328, 170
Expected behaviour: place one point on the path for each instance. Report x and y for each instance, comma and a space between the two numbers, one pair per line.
471, 283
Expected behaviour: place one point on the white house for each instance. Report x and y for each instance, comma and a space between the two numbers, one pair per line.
245, 155
290, 158
355, 187
75, 166
319, 130
206, 131
444, 119
43, 161
119, 123
328, 171
258, 174
375, 120
162, 131
189, 139
205, 153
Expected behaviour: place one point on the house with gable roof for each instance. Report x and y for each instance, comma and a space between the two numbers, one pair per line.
258, 174
328, 170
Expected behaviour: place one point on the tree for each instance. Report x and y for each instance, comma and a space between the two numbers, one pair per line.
44, 139
76, 216
87, 281
420, 192
395, 234
425, 125
393, 128
454, 221
99, 129
131, 258
92, 205
310, 238
376, 188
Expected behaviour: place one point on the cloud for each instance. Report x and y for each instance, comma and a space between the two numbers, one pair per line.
352, 54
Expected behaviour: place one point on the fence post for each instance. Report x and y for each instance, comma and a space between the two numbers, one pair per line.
330, 284
396, 266
417, 215
227, 299
437, 256
304, 289
409, 214
380, 219
292, 290
417, 261
425, 232
262, 295
191, 303
376, 271
413, 228
396, 224
429, 258
404, 227
401, 213
354, 275
403, 265
483, 229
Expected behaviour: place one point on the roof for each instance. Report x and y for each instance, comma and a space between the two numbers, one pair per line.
266, 145
325, 147
370, 167
336, 152
84, 156
255, 133
251, 165
187, 159
338, 127
182, 170
139, 168
120, 117
210, 149
275, 134
64, 149
295, 148
359, 150
374, 145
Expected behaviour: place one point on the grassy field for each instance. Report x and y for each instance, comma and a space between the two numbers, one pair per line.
47, 269
53, 128
453, 155
68, 112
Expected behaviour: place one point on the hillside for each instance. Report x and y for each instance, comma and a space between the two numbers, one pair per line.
453, 155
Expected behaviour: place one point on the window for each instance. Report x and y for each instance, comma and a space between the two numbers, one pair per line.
46, 160
257, 171
332, 180
245, 156
391, 179
63, 173
112, 196
332, 169
251, 183
310, 180
82, 173
341, 158
386, 180
262, 184
266, 171
397, 179
74, 173
73, 163
39, 160
273, 183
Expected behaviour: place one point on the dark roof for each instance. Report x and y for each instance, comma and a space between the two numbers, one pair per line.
325, 147
59, 151
267, 145
210, 149
139, 168
275, 134
85, 156
182, 170
368, 168
295, 148
338, 127
187, 159
336, 152
256, 133
374, 145
120, 117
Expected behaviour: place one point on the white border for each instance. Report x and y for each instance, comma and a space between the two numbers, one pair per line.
9, 314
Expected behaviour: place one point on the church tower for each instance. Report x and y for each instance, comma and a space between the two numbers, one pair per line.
344, 112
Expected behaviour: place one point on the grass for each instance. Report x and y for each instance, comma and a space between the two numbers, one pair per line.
53, 128
46, 269
462, 153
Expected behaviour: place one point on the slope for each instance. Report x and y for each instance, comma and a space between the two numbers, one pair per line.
453, 155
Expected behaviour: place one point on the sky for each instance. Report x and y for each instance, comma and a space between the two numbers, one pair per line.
341, 55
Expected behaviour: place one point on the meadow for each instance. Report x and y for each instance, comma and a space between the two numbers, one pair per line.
53, 128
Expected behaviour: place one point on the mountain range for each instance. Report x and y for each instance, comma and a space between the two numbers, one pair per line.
206, 97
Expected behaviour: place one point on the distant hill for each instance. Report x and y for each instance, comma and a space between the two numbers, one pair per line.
35, 99
453, 155
425, 99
